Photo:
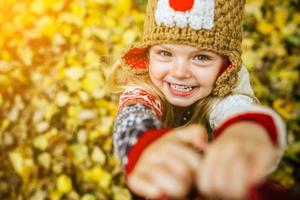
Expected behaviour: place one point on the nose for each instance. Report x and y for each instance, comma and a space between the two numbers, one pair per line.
181, 69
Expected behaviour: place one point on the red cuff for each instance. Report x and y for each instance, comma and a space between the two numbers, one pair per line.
263, 119
136, 150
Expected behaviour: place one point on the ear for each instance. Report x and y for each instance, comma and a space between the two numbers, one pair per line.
226, 64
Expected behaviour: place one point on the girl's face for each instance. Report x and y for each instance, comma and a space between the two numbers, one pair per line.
184, 74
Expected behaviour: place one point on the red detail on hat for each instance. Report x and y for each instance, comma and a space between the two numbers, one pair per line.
137, 58
183, 5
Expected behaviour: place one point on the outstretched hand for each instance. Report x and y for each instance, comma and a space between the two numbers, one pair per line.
167, 166
236, 161
240, 158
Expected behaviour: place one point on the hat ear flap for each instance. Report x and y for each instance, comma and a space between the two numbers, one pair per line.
136, 59
228, 79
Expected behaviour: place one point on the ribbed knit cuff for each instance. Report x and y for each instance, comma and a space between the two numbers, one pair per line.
264, 120
137, 149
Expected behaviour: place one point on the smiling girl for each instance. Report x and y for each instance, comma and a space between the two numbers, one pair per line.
183, 90
184, 71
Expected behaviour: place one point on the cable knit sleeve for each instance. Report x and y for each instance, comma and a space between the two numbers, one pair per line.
138, 123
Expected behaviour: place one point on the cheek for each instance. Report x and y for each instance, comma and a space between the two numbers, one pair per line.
207, 77
156, 70
217, 71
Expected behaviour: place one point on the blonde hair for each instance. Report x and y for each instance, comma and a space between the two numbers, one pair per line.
121, 79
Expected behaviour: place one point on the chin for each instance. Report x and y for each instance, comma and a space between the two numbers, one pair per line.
181, 102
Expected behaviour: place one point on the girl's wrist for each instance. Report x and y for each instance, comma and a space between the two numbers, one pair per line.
247, 130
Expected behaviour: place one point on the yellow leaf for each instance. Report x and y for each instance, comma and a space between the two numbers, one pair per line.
82, 136
281, 17
129, 37
64, 184
55, 195
107, 146
74, 111
296, 18
105, 180
37, 6
98, 175
84, 97
110, 106
4, 125
5, 55
285, 108
80, 153
77, 9
48, 25
93, 174
249, 58
25, 54
265, 27
98, 156
65, 29
92, 59
55, 5
106, 124
39, 195
62, 98
75, 72
88, 197
41, 142
70, 19
23, 165
5, 81
110, 23
50, 110
254, 7
44, 160
287, 74
92, 81
1, 100
121, 193
86, 114
94, 134
72, 85
123, 6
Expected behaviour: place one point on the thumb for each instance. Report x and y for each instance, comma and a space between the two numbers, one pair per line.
195, 135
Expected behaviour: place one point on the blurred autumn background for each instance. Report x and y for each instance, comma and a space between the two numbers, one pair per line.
56, 117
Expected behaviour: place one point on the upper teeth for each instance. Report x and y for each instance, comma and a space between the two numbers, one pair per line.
181, 87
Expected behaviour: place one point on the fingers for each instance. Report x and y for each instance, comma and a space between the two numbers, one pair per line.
142, 184
195, 135
171, 177
169, 169
172, 186
180, 161
225, 173
262, 164
169, 164
188, 156
175, 164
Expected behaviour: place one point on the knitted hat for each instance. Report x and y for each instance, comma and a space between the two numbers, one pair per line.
214, 25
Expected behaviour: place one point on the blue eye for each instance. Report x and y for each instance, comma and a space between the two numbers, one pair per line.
201, 57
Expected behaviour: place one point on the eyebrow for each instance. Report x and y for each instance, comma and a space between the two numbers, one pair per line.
163, 46
192, 52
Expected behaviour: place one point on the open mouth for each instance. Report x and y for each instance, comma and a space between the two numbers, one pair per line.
180, 90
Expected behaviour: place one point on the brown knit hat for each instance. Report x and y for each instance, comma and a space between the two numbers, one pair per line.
214, 25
